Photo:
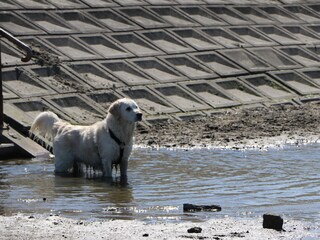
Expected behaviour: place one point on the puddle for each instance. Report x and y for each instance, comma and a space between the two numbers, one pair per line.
160, 181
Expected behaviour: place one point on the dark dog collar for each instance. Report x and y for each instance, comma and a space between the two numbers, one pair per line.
121, 146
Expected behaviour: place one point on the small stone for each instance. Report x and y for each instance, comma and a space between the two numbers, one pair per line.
272, 222
195, 230
31, 217
145, 235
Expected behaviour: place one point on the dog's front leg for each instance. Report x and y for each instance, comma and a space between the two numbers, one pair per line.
123, 168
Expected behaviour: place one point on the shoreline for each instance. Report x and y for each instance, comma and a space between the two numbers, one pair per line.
56, 227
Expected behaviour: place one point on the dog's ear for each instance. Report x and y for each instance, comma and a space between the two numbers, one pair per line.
114, 109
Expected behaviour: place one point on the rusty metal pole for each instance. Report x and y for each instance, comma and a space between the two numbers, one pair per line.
1, 94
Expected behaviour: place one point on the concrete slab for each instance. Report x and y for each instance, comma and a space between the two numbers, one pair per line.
268, 86
218, 63
190, 1
143, 17
100, 3
303, 13
126, 72
48, 22
8, 5
252, 13
81, 22
278, 35
76, 107
314, 49
136, 44
201, 15
70, 47
67, 4
314, 6
196, 39
9, 55
178, 97
22, 84
239, 91
302, 34
189, 67
228, 15
131, 2
148, 101
112, 20
311, 73
17, 25
274, 58
301, 56
315, 28
104, 98
174, 17
296, 82
103, 46
157, 70
165, 41
224, 37
279, 14
246, 60
210, 94
35, 4
93, 75
252, 36
161, 2
7, 94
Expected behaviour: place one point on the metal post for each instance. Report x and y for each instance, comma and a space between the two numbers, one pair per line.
1, 95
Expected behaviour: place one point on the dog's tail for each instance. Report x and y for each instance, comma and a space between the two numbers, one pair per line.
43, 125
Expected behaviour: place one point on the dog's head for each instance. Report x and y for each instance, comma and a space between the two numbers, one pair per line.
126, 109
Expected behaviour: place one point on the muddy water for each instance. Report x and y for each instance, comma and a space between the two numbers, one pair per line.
245, 183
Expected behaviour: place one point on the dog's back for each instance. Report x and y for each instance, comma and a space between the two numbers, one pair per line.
44, 124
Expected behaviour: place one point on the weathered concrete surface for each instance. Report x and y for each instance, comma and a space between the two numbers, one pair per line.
174, 58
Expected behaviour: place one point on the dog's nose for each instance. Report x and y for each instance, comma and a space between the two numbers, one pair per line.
139, 116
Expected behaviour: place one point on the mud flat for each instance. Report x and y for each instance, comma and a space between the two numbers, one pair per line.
55, 227
238, 129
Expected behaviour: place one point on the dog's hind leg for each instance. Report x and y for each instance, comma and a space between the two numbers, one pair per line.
107, 168
64, 161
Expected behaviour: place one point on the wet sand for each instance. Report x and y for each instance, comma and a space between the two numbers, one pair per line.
53, 227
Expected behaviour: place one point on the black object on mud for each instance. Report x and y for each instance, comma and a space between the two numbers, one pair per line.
200, 208
272, 222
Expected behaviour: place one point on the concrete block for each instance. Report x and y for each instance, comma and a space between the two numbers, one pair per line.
131, 2
246, 60
279, 14
7, 94
93, 75
166, 42
77, 107
253, 14
189, 67
190, 1
8, 5
136, 44
301, 56
157, 70
239, 91
81, 22
228, 15
104, 46
302, 13
179, 97
143, 17
100, 3
201, 15
210, 94
252, 36
302, 34
35, 4
17, 25
113, 20
18, 81
41, 47
314, 49
188, 116
278, 35
126, 72
58, 79
274, 58
70, 47
268, 86
314, 7
67, 4
161, 2
9, 55
296, 82
104, 98
148, 101
195, 39
218, 63
311, 73
224, 37
174, 17
48, 22
315, 28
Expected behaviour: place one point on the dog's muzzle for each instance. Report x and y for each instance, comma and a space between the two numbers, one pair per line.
138, 117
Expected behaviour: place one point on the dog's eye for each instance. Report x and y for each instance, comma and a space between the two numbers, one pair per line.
128, 109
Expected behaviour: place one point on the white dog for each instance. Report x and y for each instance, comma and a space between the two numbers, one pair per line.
100, 146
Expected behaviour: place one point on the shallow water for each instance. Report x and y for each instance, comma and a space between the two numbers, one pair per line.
244, 183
